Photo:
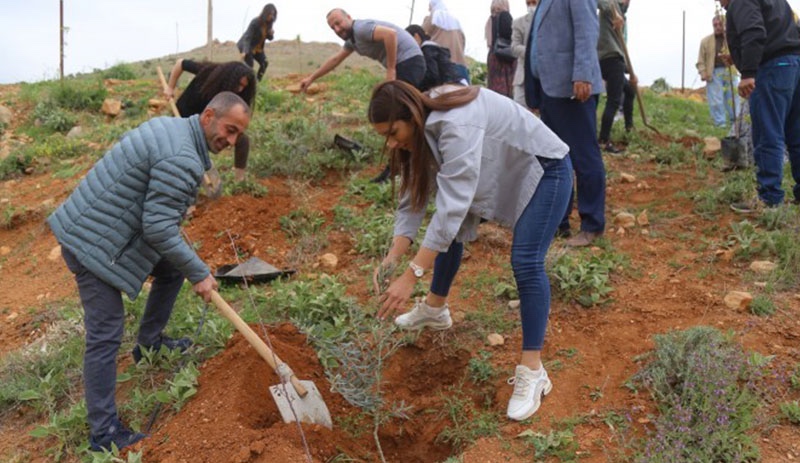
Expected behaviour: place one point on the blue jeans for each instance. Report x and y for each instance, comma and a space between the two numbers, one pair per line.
533, 233
775, 116
720, 98
104, 319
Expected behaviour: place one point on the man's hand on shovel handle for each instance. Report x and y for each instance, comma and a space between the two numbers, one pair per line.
205, 287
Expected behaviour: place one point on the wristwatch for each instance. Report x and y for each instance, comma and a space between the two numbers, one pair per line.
416, 269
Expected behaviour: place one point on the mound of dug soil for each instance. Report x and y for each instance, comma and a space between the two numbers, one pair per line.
233, 417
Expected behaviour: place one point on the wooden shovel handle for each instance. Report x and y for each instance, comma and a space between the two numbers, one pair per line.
258, 344
164, 84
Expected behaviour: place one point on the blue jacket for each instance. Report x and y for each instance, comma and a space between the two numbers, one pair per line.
125, 214
566, 48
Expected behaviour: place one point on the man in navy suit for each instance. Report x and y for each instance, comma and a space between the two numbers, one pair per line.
562, 81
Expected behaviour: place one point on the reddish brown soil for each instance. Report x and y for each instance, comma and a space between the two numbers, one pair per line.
674, 283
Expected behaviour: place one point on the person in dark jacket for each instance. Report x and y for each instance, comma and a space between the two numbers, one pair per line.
439, 69
500, 70
251, 44
764, 43
211, 79
122, 224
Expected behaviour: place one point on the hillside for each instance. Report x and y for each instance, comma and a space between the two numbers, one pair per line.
442, 395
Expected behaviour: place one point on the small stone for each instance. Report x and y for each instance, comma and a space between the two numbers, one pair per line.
12, 316
55, 254
513, 305
642, 219
627, 178
458, 316
738, 300
495, 339
645, 231
625, 219
5, 250
329, 261
75, 132
713, 145
111, 107
763, 266
620, 231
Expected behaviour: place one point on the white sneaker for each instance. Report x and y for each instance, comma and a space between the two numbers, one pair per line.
529, 388
422, 315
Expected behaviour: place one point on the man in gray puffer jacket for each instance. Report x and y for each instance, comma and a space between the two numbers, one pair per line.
121, 225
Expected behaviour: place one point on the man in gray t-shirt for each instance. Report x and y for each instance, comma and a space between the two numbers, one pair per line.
384, 42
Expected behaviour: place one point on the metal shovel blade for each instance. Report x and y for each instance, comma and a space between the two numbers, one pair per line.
308, 409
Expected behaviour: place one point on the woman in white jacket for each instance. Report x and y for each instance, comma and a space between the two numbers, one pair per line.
486, 157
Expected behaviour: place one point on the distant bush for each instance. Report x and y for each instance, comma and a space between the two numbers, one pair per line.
660, 85
52, 117
121, 71
77, 95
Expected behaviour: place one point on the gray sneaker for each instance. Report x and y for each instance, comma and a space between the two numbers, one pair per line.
422, 315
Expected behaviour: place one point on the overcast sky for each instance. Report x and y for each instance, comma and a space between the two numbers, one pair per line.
102, 33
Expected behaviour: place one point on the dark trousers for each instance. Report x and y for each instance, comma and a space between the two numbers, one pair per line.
261, 58
411, 70
104, 320
576, 124
241, 151
613, 70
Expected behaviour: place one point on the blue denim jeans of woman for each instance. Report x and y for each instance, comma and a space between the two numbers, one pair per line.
775, 116
533, 233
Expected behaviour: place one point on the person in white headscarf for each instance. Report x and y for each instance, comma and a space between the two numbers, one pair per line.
444, 29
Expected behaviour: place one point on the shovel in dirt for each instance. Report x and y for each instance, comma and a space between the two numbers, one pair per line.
297, 400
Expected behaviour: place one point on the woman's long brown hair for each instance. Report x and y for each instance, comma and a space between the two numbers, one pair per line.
396, 100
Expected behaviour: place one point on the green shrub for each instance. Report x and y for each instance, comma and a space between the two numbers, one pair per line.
121, 71
79, 95
53, 118
762, 306
703, 385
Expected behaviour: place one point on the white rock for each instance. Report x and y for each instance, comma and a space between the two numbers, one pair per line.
75, 132
625, 219
627, 178
763, 266
642, 219
55, 254
513, 305
738, 300
495, 339
329, 261
5, 250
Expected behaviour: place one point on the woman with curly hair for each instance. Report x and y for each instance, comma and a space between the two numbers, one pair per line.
484, 157
211, 79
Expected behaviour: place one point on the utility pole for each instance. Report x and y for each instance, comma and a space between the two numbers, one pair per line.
683, 53
411, 16
210, 38
61, 43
